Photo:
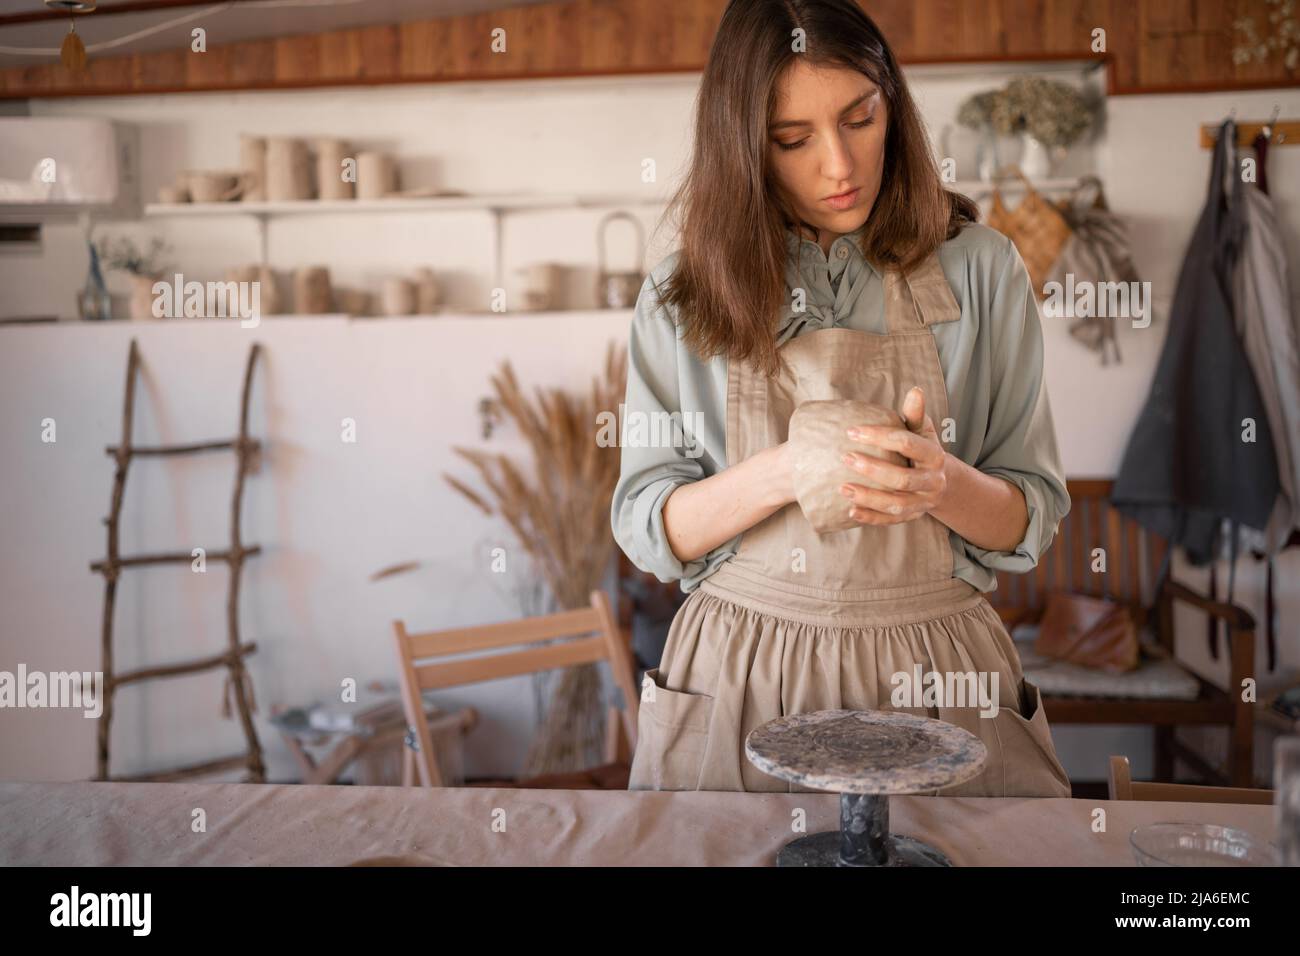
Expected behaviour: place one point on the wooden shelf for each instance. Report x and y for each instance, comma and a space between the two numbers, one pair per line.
504, 202
978, 187
495, 205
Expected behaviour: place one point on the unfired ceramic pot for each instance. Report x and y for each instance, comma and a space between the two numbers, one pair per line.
376, 175
288, 169
142, 297
252, 163
330, 184
427, 292
311, 291
818, 441
399, 296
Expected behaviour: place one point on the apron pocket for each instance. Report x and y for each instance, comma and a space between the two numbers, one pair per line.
672, 730
1030, 767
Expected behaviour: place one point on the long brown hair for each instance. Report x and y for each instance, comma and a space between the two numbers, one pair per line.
729, 281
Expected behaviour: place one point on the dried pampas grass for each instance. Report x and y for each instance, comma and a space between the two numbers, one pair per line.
559, 512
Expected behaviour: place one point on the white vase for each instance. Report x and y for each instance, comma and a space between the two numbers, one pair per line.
986, 154
1007, 148
1035, 159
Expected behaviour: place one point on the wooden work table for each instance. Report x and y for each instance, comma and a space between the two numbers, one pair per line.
114, 824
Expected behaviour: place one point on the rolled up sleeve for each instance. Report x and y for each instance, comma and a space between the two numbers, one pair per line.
1020, 444
648, 475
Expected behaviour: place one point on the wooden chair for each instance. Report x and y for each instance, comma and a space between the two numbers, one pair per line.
1134, 558
640, 591
594, 637
1123, 787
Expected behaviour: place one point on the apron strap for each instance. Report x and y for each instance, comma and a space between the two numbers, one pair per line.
920, 299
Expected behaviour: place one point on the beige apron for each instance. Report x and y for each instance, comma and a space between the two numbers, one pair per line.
798, 622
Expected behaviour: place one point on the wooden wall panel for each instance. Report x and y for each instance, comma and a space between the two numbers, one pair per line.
1152, 46
1024, 27
1123, 42
1068, 24
251, 60
937, 25
422, 48
897, 21
159, 70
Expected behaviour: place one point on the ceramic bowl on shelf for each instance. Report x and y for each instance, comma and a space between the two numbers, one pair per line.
1198, 844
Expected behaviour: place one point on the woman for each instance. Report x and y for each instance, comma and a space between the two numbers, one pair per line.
821, 258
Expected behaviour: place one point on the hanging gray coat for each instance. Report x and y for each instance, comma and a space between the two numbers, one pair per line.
1187, 465
1267, 328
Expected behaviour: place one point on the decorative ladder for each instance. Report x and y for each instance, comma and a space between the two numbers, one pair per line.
246, 450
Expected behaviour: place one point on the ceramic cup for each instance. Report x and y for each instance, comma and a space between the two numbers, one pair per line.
399, 296
210, 186
352, 301
541, 285
376, 175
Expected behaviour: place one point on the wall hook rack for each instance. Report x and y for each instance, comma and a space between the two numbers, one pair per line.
1284, 132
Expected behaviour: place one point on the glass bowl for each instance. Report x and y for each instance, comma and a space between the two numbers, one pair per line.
1198, 844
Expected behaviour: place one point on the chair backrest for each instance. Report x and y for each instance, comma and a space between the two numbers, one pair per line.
593, 636
1133, 557
1123, 787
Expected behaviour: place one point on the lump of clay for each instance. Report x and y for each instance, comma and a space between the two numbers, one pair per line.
818, 442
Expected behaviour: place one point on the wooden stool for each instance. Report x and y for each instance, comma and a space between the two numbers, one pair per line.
378, 730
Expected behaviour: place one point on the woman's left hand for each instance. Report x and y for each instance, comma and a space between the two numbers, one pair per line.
913, 491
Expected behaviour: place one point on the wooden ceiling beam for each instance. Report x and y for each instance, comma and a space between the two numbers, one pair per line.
573, 38
43, 13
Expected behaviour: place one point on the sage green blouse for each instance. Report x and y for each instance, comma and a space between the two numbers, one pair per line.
675, 410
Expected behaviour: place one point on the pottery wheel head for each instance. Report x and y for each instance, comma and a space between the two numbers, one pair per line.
866, 751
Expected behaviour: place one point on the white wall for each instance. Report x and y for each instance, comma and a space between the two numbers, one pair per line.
328, 514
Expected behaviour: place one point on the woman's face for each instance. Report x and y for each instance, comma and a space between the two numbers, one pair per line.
827, 137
